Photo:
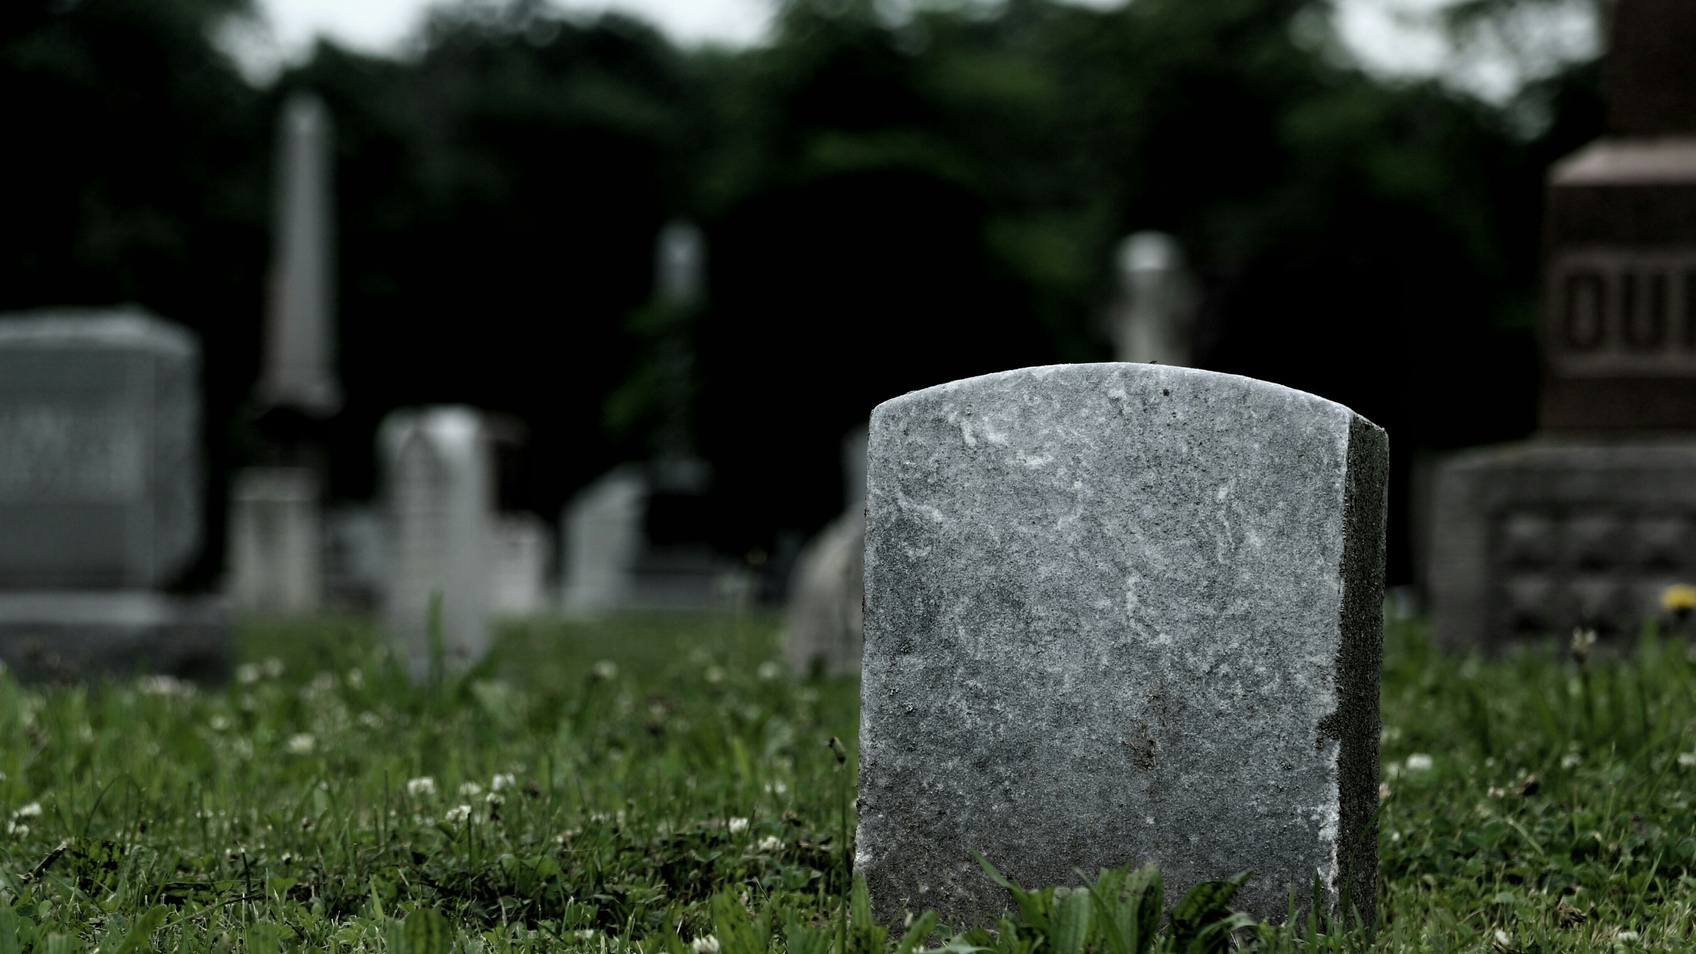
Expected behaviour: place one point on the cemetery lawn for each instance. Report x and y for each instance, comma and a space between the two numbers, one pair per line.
648, 782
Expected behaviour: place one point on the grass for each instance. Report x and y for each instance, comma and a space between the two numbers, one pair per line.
655, 782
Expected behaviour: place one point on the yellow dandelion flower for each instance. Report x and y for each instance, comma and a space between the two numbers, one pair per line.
1679, 598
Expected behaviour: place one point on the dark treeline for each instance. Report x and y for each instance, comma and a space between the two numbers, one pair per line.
888, 205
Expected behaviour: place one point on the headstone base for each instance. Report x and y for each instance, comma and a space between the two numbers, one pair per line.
68, 636
1535, 538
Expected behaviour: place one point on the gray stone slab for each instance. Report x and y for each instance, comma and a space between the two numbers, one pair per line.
62, 637
276, 541
1535, 538
99, 450
1116, 614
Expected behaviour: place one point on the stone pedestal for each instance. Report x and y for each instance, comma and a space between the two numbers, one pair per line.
1534, 539
73, 636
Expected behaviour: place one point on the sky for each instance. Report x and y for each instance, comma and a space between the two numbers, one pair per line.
1392, 37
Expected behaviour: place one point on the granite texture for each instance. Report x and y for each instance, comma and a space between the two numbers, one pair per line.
1534, 538
1116, 614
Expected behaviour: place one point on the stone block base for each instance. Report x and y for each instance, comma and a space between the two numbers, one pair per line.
71, 636
1532, 539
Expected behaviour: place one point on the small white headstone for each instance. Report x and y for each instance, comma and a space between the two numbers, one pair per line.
1154, 316
276, 549
603, 538
519, 569
439, 483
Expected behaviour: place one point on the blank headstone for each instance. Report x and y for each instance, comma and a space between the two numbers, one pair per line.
1154, 316
1116, 614
603, 538
276, 551
518, 566
440, 488
100, 496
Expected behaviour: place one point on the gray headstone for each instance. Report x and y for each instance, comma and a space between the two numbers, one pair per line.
1154, 316
603, 538
1116, 614
100, 498
276, 549
823, 623
99, 450
440, 489
300, 334
518, 567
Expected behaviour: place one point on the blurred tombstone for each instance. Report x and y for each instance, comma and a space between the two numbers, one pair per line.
1587, 522
1153, 319
518, 585
633, 540
356, 558
100, 497
276, 542
439, 483
1118, 614
824, 623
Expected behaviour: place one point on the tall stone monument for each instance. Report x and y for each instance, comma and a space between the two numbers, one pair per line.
439, 485
1587, 522
1117, 614
275, 551
100, 497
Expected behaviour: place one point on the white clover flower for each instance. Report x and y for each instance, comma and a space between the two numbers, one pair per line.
770, 843
606, 670
1419, 762
704, 945
247, 674
302, 743
1383, 791
163, 686
356, 678
17, 829
1571, 760
769, 671
495, 798
422, 787
776, 787
272, 667
470, 790
457, 814
714, 675
502, 782
32, 810
586, 934
738, 825
371, 720
1626, 937
323, 682
219, 722
1687, 760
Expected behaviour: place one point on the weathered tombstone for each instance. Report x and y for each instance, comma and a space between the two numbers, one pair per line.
825, 621
518, 583
100, 497
1116, 614
1586, 522
1155, 311
440, 487
632, 541
356, 558
603, 537
276, 541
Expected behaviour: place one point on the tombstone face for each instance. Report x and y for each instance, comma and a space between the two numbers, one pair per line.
441, 510
276, 541
1117, 614
99, 451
